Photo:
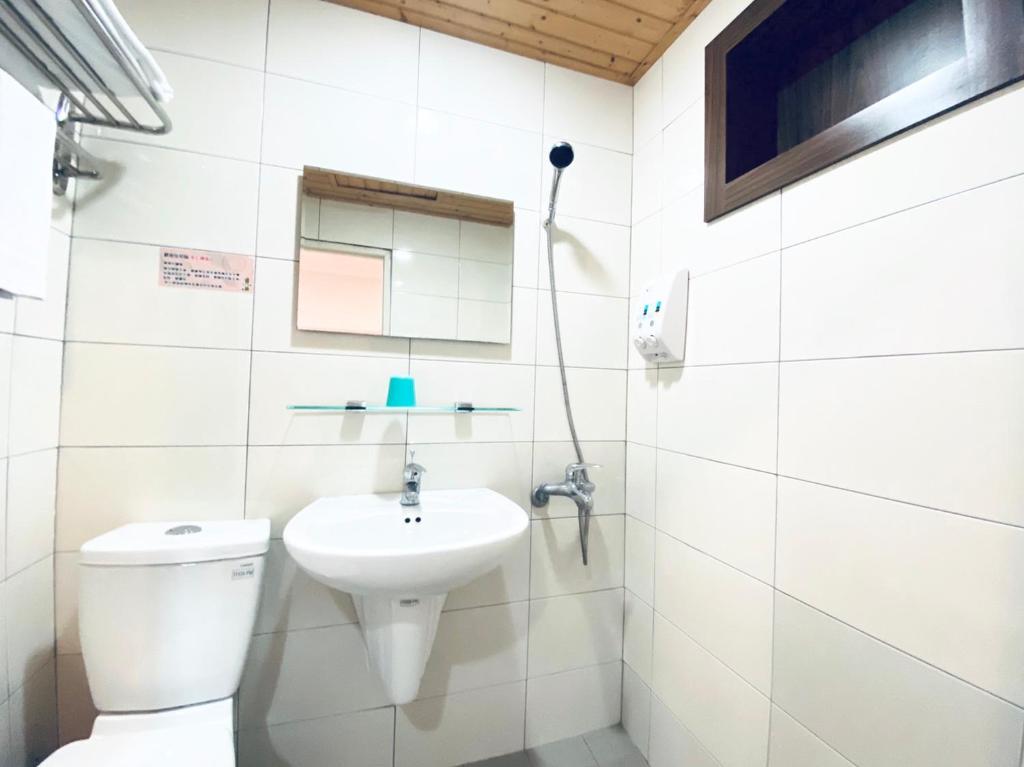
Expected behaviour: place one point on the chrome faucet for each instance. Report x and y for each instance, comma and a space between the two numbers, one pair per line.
580, 489
411, 479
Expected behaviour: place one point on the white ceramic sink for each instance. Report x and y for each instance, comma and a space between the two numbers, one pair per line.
363, 544
400, 562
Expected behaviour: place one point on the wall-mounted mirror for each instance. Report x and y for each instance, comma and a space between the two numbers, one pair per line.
382, 258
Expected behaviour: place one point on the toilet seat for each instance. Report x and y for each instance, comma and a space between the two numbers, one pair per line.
198, 736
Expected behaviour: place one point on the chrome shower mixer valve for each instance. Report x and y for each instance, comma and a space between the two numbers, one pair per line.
577, 484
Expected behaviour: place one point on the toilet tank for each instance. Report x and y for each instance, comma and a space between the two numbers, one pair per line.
166, 611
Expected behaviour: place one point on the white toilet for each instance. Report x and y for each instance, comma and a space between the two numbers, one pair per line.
166, 611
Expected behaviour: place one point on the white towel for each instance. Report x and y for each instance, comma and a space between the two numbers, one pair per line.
130, 43
81, 35
27, 129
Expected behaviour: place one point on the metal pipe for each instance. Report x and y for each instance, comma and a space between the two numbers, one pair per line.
130, 69
23, 34
577, 484
556, 179
58, 33
33, 58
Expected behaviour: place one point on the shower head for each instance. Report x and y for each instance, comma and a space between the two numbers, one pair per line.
561, 155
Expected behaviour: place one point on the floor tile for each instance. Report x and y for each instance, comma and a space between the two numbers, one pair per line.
518, 759
613, 747
608, 747
572, 752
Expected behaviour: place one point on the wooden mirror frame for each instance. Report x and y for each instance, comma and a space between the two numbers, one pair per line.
379, 192
994, 37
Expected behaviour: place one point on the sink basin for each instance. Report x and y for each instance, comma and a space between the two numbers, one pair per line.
400, 562
362, 544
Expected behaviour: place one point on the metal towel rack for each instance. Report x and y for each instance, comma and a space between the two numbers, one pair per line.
85, 96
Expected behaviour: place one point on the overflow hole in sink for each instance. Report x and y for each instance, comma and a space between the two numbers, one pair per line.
419, 519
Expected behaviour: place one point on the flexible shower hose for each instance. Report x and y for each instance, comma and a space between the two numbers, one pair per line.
584, 518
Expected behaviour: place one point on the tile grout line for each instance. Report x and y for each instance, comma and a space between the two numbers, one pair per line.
822, 740
416, 106
321, 718
25, 568
125, 141
252, 314
778, 591
7, 477
904, 652
5, 694
1020, 758
625, 425
775, 521
711, 754
911, 504
56, 483
727, 666
343, 354
590, 751
404, 417
657, 429
132, 140
533, 414
899, 211
840, 488
60, 409
844, 358
394, 735
509, 683
237, 696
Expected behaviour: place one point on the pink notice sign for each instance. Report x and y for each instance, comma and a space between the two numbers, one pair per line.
180, 268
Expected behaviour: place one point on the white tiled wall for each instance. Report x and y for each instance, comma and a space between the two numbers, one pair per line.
826, 496
31, 352
818, 564
174, 400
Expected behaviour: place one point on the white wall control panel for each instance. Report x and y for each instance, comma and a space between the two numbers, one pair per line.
659, 327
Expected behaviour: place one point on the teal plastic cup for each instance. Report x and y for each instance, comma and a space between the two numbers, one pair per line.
401, 392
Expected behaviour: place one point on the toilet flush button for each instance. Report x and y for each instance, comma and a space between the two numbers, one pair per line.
184, 530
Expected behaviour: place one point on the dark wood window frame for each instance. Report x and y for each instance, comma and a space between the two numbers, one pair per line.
994, 38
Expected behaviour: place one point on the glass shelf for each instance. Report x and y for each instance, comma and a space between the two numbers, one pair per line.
389, 409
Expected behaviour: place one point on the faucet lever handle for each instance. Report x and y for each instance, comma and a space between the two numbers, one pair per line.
413, 468
574, 470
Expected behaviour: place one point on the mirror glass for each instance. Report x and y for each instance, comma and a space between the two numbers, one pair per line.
378, 269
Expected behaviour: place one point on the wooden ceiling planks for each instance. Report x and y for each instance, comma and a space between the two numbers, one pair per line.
617, 40
487, 30
366, 190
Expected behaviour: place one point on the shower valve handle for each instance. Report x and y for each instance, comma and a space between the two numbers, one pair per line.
576, 472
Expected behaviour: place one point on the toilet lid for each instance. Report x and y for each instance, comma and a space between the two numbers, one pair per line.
196, 747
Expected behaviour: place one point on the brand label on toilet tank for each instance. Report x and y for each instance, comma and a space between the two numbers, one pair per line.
244, 570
